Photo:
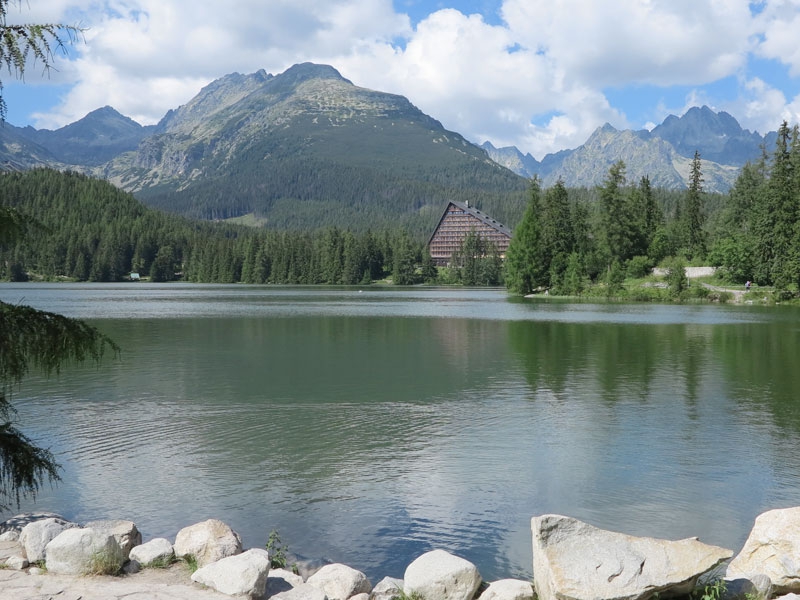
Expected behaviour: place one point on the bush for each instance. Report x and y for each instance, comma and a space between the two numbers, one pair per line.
676, 277
639, 266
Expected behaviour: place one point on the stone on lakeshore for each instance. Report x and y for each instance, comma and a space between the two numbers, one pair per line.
17, 522
363, 596
281, 580
208, 542
340, 582
508, 589
773, 549
16, 562
157, 550
305, 591
440, 575
759, 587
35, 536
386, 589
572, 559
125, 532
243, 574
131, 567
9, 536
83, 551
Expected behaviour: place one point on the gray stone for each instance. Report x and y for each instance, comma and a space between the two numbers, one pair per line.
508, 589
35, 536
386, 589
16, 562
131, 567
281, 580
240, 575
340, 582
438, 574
757, 587
208, 542
125, 532
157, 550
772, 549
572, 559
363, 596
305, 591
9, 536
17, 522
82, 551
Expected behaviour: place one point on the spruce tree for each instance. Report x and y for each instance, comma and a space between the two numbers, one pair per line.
692, 218
524, 271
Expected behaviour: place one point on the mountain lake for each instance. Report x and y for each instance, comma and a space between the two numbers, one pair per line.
370, 425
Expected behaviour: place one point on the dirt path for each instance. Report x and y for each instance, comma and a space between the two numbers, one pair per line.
738, 294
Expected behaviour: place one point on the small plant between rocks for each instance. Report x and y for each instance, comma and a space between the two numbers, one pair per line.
104, 563
162, 563
278, 552
191, 562
714, 590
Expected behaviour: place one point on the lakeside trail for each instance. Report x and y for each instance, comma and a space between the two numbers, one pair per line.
738, 294
172, 583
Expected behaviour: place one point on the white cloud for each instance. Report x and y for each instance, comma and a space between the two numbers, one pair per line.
778, 24
537, 80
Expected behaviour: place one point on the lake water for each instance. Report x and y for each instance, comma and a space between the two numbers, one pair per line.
368, 426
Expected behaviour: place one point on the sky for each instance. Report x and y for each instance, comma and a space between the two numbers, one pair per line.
541, 75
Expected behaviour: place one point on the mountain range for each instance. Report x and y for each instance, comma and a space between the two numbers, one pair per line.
307, 148
664, 154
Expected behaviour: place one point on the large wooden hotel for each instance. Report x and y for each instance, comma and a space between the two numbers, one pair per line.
457, 221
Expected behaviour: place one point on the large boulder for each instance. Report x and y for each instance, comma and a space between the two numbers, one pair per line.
508, 589
208, 542
84, 551
574, 560
304, 591
240, 575
125, 532
17, 522
387, 589
440, 575
772, 549
340, 582
156, 551
282, 580
35, 536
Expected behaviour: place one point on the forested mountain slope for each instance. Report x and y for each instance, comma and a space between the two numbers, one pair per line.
307, 148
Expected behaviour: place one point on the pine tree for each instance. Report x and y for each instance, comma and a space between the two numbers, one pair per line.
22, 45
32, 339
616, 216
692, 218
524, 272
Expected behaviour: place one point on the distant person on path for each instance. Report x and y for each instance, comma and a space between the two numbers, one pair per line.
747, 286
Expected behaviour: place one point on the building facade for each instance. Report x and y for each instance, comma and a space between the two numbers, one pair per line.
456, 222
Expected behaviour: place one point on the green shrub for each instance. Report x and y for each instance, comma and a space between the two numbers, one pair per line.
639, 266
105, 563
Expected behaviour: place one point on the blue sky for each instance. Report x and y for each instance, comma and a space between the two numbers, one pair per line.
538, 74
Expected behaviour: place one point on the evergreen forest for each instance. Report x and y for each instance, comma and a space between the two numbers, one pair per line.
565, 244
568, 241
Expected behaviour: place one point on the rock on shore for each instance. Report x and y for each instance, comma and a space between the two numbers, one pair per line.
572, 560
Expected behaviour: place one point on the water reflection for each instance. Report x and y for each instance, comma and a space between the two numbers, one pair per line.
368, 428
